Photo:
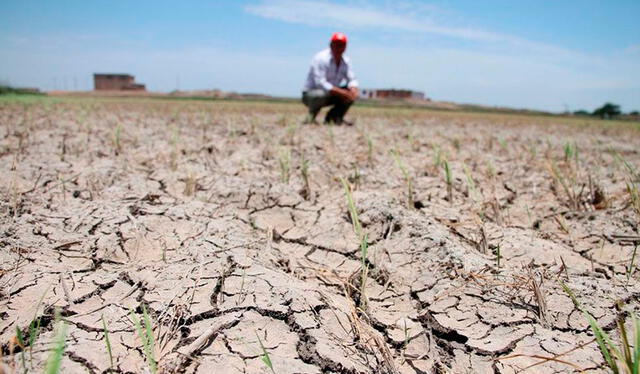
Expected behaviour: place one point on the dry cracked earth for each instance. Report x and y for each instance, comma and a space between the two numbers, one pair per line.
198, 213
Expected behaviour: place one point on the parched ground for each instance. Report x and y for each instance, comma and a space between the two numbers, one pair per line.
199, 213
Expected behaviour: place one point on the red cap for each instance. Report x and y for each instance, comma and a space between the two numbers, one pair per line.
339, 37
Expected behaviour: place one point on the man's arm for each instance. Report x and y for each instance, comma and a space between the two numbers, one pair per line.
349, 94
345, 94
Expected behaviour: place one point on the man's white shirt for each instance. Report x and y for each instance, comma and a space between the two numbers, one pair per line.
324, 73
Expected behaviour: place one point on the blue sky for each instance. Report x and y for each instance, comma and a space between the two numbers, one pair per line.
545, 54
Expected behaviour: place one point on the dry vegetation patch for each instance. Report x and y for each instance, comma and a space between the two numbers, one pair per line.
226, 237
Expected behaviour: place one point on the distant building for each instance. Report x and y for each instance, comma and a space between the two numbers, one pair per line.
391, 94
116, 82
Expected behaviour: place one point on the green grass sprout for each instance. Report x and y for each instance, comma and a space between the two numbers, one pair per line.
108, 342
407, 178
146, 336
449, 180
55, 356
265, 355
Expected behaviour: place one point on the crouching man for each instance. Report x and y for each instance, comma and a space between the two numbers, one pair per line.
330, 82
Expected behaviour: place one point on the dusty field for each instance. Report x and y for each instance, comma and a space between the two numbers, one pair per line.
200, 214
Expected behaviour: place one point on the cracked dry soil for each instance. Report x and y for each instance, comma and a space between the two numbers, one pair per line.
109, 205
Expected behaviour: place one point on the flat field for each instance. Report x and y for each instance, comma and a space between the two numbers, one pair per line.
227, 237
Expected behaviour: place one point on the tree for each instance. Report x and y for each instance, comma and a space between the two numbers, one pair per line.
608, 110
634, 113
581, 112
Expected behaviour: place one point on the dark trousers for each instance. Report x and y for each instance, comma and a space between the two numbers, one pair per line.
317, 99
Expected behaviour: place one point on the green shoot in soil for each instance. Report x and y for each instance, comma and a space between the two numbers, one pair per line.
456, 144
108, 342
570, 151
407, 178
146, 336
265, 355
34, 327
491, 170
437, 157
473, 191
34, 331
21, 342
630, 267
572, 296
503, 144
364, 248
633, 177
449, 180
292, 128
55, 357
622, 358
631, 171
285, 165
405, 330
353, 212
568, 185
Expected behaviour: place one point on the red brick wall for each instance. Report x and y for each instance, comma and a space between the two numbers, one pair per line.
388, 94
116, 82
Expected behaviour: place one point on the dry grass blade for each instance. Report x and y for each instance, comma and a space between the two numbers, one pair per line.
536, 287
366, 335
634, 197
304, 171
567, 183
545, 359
483, 243
630, 268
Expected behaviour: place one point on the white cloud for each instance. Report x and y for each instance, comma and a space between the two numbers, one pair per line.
409, 17
633, 50
322, 13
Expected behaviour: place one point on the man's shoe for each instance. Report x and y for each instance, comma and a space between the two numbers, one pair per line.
342, 121
348, 123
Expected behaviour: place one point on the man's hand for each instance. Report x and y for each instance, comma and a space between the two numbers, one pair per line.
354, 93
348, 95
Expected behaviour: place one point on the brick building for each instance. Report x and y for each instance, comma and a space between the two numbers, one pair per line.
390, 94
116, 82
